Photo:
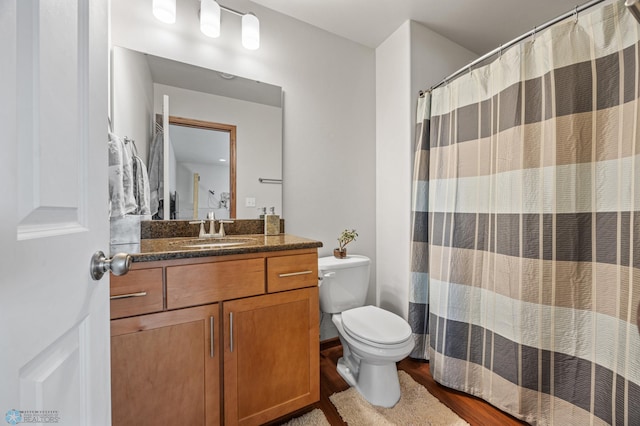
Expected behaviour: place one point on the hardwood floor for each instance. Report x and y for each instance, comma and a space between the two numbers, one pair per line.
474, 410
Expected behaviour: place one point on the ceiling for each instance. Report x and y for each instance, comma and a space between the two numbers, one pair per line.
202, 146
186, 76
478, 25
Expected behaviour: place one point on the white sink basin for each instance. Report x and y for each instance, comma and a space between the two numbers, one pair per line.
211, 243
214, 245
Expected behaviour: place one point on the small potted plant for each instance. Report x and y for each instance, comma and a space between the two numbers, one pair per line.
343, 239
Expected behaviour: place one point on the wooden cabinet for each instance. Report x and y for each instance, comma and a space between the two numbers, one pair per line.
136, 293
271, 356
165, 368
189, 285
292, 271
247, 324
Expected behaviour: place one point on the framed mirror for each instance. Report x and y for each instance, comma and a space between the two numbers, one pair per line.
204, 156
199, 99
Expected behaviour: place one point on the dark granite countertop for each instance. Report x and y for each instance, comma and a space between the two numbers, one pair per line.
184, 248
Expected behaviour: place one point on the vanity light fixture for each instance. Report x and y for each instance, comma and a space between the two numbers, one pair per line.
165, 10
250, 31
210, 23
210, 18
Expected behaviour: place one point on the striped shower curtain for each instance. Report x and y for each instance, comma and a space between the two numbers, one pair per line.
534, 226
419, 252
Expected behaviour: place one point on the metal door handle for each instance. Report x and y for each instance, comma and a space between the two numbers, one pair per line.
231, 331
211, 335
293, 274
118, 265
128, 295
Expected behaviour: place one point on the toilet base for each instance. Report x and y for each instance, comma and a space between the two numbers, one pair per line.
377, 383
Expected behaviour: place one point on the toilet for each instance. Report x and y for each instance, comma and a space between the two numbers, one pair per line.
373, 339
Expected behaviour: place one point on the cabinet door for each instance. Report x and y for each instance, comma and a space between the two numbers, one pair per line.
165, 368
271, 355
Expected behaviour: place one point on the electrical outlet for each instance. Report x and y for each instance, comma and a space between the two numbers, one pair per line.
250, 202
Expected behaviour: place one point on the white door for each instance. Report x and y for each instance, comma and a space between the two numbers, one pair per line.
54, 325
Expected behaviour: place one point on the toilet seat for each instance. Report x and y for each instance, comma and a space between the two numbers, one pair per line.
376, 327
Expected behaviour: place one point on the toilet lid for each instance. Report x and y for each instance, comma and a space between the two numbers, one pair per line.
370, 323
351, 261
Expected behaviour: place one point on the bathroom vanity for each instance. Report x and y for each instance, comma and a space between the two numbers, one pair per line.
215, 334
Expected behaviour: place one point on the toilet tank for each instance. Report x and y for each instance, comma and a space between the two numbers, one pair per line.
344, 282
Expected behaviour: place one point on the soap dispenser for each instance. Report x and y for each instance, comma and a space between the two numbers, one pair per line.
271, 223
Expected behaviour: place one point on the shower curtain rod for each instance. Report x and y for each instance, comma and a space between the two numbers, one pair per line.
516, 40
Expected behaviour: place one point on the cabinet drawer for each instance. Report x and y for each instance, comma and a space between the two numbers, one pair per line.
291, 272
191, 285
136, 293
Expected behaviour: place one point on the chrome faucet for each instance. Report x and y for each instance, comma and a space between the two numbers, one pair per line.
212, 228
202, 233
221, 232
211, 217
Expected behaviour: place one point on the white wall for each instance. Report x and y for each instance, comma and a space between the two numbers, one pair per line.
433, 58
258, 141
132, 100
329, 108
212, 177
412, 58
393, 134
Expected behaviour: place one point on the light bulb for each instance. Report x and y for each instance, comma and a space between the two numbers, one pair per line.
250, 31
165, 10
210, 18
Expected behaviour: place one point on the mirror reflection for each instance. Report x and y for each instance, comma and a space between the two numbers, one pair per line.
204, 163
203, 106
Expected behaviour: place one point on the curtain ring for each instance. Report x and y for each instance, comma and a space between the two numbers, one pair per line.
500, 53
533, 37
575, 13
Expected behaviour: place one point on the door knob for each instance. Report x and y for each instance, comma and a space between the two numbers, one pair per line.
118, 265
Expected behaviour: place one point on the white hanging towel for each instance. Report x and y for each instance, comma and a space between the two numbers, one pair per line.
141, 186
121, 196
140, 178
156, 172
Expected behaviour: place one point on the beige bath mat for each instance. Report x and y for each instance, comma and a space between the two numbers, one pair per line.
312, 418
416, 407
